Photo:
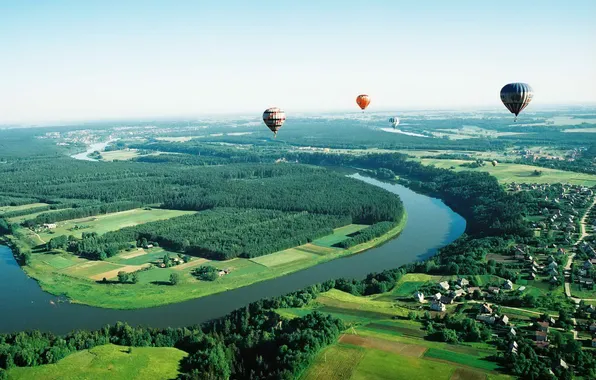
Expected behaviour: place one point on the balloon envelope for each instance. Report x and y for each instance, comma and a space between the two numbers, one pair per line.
274, 119
495, 163
363, 101
394, 121
516, 96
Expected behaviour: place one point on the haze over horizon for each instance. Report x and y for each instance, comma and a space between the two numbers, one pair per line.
68, 60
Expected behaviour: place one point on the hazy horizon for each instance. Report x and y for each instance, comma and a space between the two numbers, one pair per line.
68, 61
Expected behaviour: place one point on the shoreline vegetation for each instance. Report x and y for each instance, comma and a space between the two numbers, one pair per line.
140, 296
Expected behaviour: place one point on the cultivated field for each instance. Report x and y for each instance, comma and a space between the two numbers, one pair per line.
507, 173
127, 154
110, 222
109, 362
339, 234
5, 209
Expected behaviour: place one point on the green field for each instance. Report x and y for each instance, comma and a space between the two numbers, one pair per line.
78, 279
4, 209
507, 173
284, 257
110, 222
346, 361
339, 234
108, 362
582, 293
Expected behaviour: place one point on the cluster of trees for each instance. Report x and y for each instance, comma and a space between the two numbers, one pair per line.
532, 362
16, 201
367, 234
253, 342
205, 273
455, 328
219, 234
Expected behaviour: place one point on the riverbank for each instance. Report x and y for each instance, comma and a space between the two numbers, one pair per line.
154, 291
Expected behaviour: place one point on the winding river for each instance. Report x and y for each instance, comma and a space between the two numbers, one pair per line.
23, 305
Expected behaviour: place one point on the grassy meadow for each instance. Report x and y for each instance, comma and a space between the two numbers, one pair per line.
109, 361
127, 154
110, 222
5, 209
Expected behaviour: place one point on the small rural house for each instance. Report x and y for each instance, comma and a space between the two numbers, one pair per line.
438, 306
419, 296
486, 318
444, 285
486, 309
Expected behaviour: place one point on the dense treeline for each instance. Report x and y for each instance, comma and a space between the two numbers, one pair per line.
81, 212
321, 192
250, 343
218, 234
280, 187
16, 201
367, 234
477, 196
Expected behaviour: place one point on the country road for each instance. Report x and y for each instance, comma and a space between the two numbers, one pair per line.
582, 236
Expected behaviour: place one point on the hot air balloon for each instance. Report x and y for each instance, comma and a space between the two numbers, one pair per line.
495, 163
394, 121
516, 97
274, 118
363, 101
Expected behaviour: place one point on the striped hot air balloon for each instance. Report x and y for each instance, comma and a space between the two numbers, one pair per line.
394, 121
274, 119
516, 97
363, 101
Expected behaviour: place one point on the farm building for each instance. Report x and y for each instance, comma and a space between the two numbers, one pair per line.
444, 285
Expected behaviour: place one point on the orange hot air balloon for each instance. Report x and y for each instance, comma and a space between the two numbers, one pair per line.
363, 101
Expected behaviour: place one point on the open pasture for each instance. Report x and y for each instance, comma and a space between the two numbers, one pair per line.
507, 172
355, 362
88, 269
339, 234
110, 222
114, 272
125, 154
151, 256
5, 209
109, 362
283, 257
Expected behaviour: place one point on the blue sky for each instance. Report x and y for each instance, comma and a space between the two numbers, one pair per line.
68, 60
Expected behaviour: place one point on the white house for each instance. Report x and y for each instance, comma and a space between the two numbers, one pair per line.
444, 285
419, 296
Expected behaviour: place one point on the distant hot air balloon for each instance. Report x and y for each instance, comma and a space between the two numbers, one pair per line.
363, 101
274, 118
495, 163
516, 97
394, 121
